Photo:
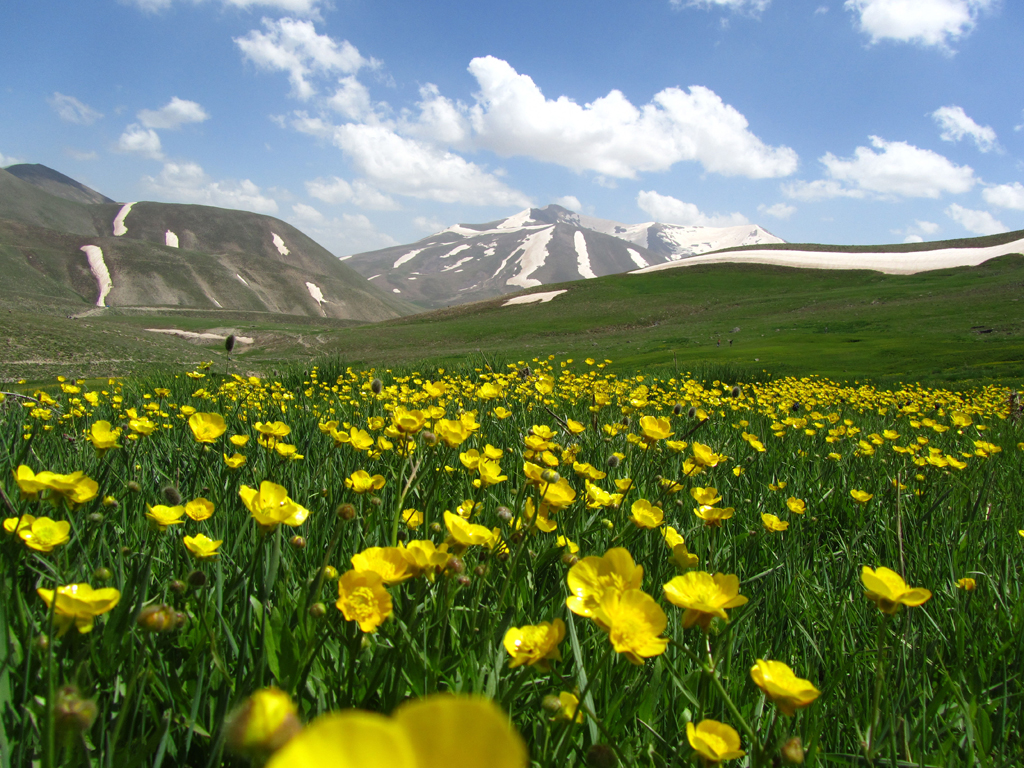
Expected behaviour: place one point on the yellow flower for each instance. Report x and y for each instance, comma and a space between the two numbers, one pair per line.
655, 428
142, 426
162, 516
75, 488
28, 483
18, 524
207, 427
440, 730
270, 505
633, 622
43, 534
772, 524
235, 461
887, 589
706, 497
263, 723
469, 534
703, 456
501, 412
704, 596
273, 430
490, 474
713, 516
202, 546
569, 706
389, 563
412, 518
592, 577
575, 426
565, 541
408, 422
79, 604
782, 686
363, 599
966, 584
558, 495
360, 481
452, 432
425, 559
646, 515
796, 506
239, 441
535, 644
714, 741
199, 509
861, 497
102, 437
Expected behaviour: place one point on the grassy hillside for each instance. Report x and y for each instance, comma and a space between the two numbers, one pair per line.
962, 242
24, 202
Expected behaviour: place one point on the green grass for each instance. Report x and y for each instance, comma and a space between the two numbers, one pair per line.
935, 685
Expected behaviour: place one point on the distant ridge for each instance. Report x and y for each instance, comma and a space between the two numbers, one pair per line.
56, 183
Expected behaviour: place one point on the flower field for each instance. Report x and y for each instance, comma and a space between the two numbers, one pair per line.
605, 569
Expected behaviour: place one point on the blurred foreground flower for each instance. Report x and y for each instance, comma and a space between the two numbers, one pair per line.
263, 723
441, 730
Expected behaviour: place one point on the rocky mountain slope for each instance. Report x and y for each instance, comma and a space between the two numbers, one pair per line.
470, 262
147, 255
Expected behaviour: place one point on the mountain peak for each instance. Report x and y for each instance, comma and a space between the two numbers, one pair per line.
56, 183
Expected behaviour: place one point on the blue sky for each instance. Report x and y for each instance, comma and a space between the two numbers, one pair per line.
373, 123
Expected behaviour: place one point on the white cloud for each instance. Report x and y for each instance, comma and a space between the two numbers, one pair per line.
440, 120
821, 189
71, 110
1005, 196
612, 137
821, 9
174, 114
927, 22
913, 239
899, 169
306, 8
188, 183
978, 222
294, 47
428, 224
955, 124
142, 141
78, 154
6, 160
306, 214
569, 201
336, 190
915, 232
405, 166
669, 210
779, 210
350, 233
351, 99
751, 6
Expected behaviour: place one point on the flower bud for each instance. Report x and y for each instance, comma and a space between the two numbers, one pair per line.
376, 386
436, 527
72, 713
677, 409
456, 565
607, 523
551, 703
569, 559
550, 476
346, 512
323, 493
102, 574
793, 751
297, 542
178, 587
96, 517
262, 723
41, 643
109, 501
601, 756
229, 343
376, 501
480, 570
196, 579
613, 461
134, 487
171, 495
428, 438
159, 618
505, 514
503, 556
691, 412
330, 573
402, 534
126, 551
463, 581
736, 391
625, 421
318, 610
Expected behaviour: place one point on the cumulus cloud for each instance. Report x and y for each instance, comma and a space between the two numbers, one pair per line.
174, 114
405, 166
440, 119
336, 190
915, 232
926, 22
1005, 196
569, 201
293, 46
305, 8
779, 210
896, 168
141, 141
612, 137
306, 214
6, 160
978, 222
345, 235
428, 224
71, 110
749, 6
669, 210
954, 124
351, 99
188, 183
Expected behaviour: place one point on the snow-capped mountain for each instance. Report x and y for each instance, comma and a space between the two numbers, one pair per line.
470, 262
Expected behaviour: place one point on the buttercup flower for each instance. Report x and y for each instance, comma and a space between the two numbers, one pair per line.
389, 563
592, 577
633, 622
363, 599
425, 559
714, 741
199, 509
469, 534
782, 686
79, 604
43, 534
263, 723
795, 505
646, 515
102, 437
887, 589
235, 461
207, 427
772, 524
713, 516
202, 546
360, 481
706, 497
569, 707
966, 584
162, 516
861, 497
270, 505
655, 428
535, 644
704, 596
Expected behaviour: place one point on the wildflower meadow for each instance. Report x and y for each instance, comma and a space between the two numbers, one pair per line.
541, 563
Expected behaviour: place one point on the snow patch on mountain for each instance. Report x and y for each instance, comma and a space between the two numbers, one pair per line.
407, 257
637, 258
243, 280
119, 227
455, 251
170, 239
535, 253
535, 298
199, 336
98, 267
582, 257
457, 264
279, 244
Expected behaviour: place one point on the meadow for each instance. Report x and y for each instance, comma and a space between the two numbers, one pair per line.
606, 566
